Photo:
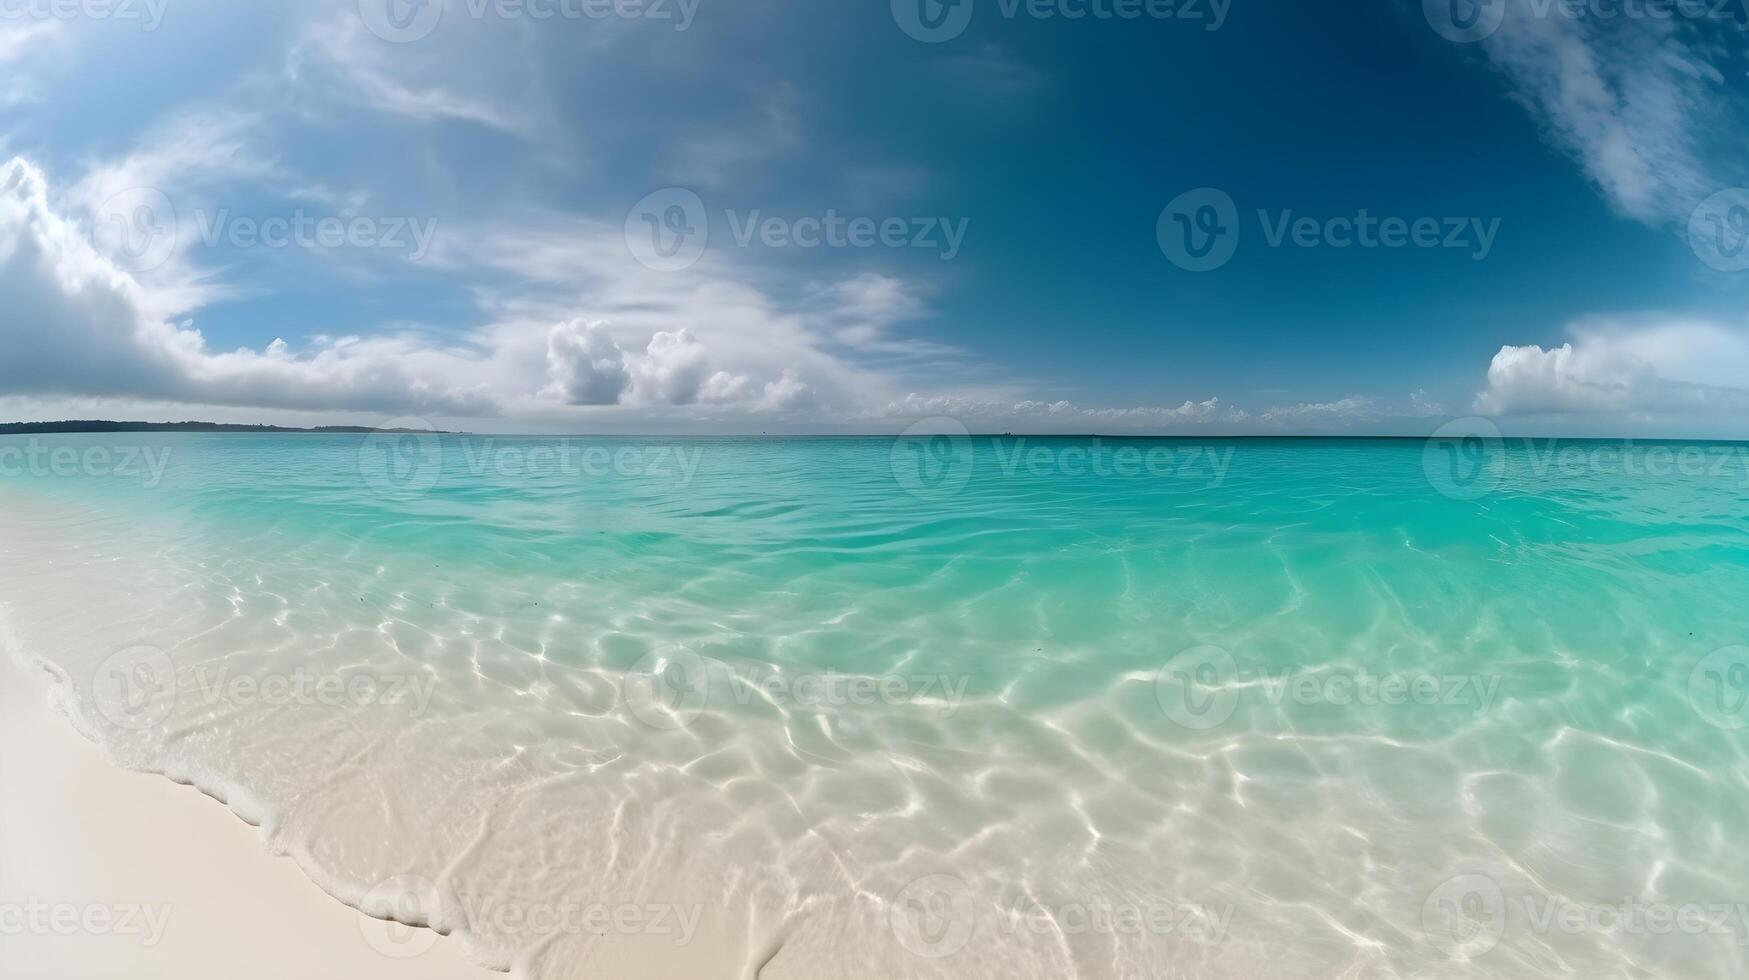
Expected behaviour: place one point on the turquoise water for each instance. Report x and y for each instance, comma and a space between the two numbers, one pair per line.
939, 706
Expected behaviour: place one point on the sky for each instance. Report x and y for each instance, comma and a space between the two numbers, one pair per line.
745, 216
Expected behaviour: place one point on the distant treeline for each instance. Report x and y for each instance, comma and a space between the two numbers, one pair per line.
36, 428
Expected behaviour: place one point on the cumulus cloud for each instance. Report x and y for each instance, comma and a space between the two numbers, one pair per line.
74, 323
586, 366
1061, 416
1658, 367
1352, 408
674, 369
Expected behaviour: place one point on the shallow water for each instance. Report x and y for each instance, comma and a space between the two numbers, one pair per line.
935, 707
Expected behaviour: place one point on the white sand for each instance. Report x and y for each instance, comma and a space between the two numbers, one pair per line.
79, 833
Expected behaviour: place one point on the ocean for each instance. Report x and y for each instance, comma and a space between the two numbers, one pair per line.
937, 705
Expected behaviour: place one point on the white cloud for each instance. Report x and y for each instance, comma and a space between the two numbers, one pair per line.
76, 324
580, 328
24, 45
586, 366
1643, 111
1647, 367
1422, 404
707, 339
197, 148
712, 158
1351, 409
482, 71
992, 70
674, 369
1060, 416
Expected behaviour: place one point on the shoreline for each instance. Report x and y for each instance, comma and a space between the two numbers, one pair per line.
111, 873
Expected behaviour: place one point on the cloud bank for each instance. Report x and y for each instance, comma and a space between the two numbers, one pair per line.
77, 324
1639, 367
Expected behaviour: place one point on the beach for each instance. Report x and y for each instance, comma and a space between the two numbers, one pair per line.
795, 709
178, 887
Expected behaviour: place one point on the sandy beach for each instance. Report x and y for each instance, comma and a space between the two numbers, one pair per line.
106, 873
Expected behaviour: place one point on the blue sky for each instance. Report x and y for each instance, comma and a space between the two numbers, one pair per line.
618, 218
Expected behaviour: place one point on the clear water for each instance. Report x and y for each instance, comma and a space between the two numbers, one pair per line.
935, 707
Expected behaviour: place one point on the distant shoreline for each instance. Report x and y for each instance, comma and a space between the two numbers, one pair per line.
102, 426
53, 428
